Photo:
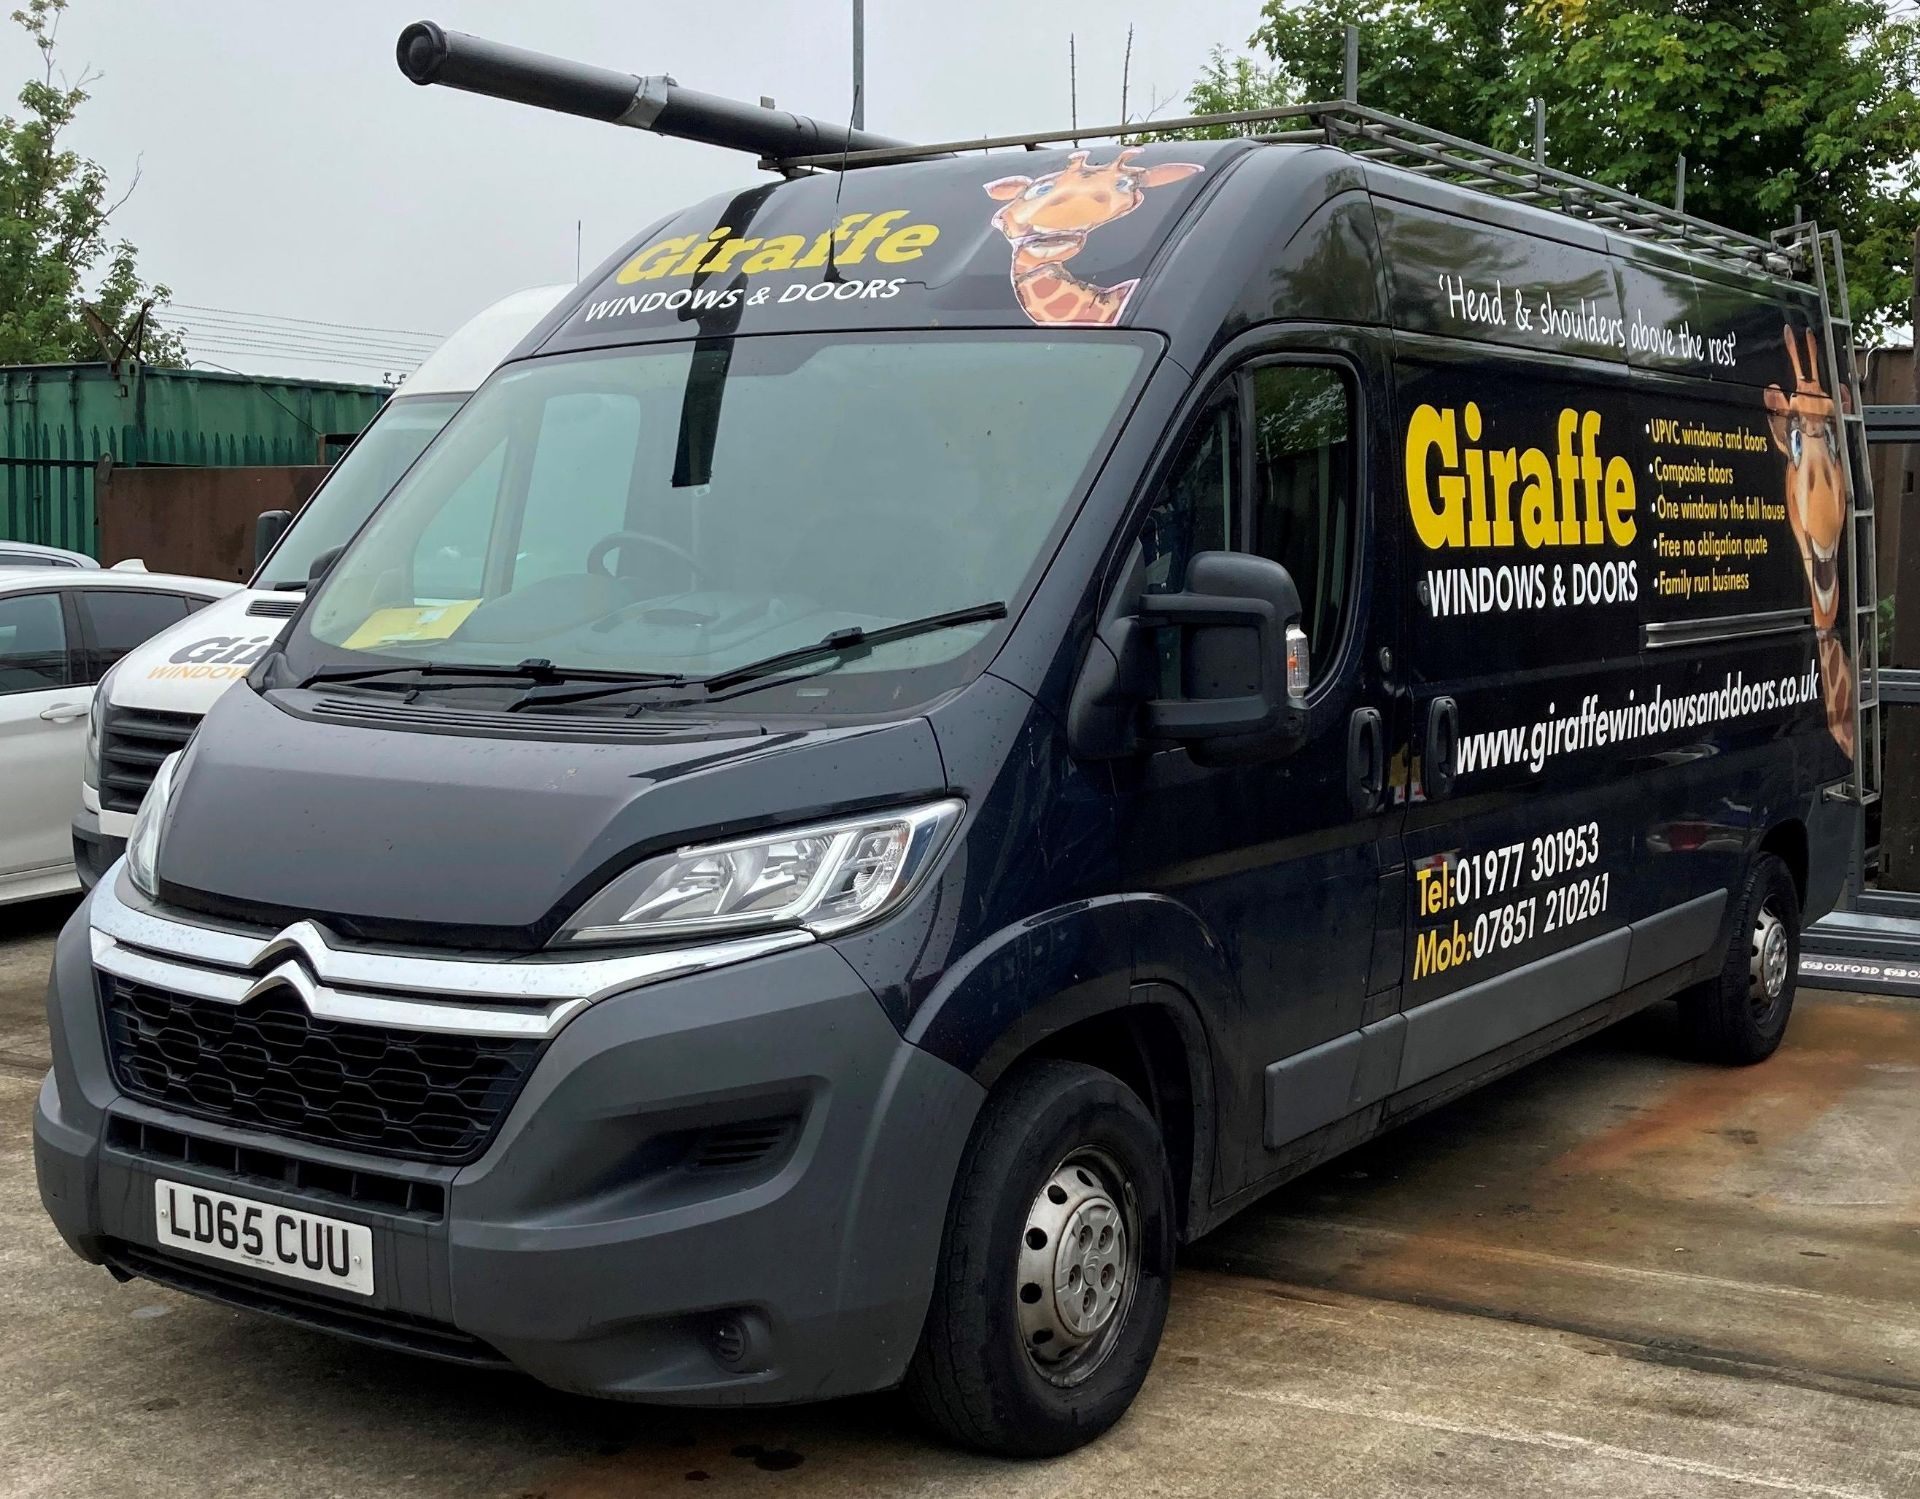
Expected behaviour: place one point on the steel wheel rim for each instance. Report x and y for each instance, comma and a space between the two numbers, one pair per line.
1079, 1267
1770, 957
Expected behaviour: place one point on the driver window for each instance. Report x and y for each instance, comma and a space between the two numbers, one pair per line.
1302, 509
1193, 514
1195, 510
578, 486
1303, 490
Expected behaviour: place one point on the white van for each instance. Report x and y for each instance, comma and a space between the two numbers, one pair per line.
151, 702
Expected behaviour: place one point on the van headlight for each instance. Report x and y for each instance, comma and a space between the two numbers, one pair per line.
143, 843
96, 728
825, 878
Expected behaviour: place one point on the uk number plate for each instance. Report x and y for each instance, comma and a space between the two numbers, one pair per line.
300, 1246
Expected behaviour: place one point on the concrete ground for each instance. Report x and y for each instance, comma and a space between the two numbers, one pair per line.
1613, 1275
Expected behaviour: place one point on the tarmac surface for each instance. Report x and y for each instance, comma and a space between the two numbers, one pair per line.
1612, 1275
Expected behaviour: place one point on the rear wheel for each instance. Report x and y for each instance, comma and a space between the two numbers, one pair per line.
1055, 1266
1740, 1016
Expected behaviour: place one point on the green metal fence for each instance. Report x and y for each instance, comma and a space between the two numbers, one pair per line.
57, 421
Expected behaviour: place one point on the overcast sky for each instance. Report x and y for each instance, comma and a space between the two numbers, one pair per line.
289, 169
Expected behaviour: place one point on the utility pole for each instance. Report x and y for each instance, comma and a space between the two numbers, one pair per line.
859, 64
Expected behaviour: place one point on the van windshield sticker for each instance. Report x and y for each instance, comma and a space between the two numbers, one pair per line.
962, 240
1047, 220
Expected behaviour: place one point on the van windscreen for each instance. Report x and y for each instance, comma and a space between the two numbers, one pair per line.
688, 508
359, 481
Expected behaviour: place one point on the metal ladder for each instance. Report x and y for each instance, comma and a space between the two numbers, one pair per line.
1863, 575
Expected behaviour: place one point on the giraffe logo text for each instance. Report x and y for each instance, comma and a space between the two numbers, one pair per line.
1461, 494
887, 238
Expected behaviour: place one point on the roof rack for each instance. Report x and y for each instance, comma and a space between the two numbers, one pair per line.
1388, 139
792, 144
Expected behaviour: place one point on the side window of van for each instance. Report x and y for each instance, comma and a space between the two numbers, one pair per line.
1303, 512
1195, 510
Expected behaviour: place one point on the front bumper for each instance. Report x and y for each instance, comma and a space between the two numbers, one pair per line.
601, 1242
99, 838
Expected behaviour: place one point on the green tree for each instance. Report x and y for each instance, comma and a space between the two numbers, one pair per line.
1774, 103
54, 216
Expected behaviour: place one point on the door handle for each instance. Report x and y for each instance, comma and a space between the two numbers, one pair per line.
1366, 760
64, 712
1443, 747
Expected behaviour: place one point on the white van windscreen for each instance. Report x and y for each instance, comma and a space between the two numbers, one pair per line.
398, 434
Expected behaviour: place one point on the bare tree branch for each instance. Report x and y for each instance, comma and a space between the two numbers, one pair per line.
114, 207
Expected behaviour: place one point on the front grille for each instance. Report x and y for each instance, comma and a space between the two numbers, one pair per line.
386, 1328
133, 742
249, 1166
272, 1065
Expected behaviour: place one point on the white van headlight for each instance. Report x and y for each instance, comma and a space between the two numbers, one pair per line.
143, 843
825, 878
96, 728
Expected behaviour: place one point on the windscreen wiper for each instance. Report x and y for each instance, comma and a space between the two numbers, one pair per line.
851, 644
848, 644
538, 670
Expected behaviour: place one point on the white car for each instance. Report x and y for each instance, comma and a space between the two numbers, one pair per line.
60, 629
32, 554
161, 692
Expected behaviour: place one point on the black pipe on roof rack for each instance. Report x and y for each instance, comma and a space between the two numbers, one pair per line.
428, 53
1340, 121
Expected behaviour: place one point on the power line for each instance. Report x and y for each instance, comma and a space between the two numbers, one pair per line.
368, 356
223, 320
279, 353
275, 317
367, 351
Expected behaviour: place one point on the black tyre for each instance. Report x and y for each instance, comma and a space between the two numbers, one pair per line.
1054, 1269
1739, 1017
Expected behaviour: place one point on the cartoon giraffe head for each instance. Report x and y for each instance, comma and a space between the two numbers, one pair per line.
1047, 221
1806, 428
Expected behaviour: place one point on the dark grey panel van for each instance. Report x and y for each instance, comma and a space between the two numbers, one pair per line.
945, 726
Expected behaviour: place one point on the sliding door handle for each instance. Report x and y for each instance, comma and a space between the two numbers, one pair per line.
1442, 747
1366, 760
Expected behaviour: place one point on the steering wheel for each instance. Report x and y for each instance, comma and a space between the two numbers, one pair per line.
613, 541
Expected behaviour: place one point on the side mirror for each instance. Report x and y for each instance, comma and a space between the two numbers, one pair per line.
1242, 660
268, 527
322, 564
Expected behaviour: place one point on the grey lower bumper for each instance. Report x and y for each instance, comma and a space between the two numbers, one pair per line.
93, 850
590, 1245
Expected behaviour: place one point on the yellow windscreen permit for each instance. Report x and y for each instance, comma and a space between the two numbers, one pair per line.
410, 622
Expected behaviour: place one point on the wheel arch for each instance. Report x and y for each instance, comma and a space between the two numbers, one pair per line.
1787, 841
1154, 1044
1130, 983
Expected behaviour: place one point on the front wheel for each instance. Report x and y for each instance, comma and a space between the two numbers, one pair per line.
1739, 1016
1055, 1266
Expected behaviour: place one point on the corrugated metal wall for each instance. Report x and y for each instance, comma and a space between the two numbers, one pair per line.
58, 420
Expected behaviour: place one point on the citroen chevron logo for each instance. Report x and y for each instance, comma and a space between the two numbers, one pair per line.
292, 960
285, 976
304, 939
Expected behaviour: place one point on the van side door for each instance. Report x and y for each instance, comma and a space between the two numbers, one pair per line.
1281, 866
1522, 606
